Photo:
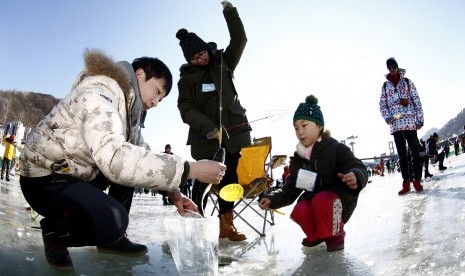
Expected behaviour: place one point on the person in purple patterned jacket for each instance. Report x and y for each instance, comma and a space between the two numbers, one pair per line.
401, 109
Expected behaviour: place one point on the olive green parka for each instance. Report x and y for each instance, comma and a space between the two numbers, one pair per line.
200, 110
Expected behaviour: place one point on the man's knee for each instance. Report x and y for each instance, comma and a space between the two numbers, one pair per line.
115, 227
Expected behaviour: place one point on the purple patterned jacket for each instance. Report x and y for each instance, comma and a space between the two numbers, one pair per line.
403, 117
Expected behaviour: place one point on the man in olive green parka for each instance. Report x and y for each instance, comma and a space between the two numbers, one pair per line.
206, 87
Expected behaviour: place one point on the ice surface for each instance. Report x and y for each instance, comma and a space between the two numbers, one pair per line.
415, 234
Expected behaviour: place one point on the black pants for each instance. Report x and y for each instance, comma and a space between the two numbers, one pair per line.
439, 158
425, 162
401, 139
79, 213
6, 167
230, 177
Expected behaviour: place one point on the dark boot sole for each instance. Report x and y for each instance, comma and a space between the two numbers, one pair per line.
334, 249
61, 267
311, 244
122, 253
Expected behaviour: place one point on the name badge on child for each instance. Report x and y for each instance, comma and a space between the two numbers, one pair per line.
208, 87
306, 180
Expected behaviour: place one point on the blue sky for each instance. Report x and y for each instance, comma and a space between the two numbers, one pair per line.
335, 50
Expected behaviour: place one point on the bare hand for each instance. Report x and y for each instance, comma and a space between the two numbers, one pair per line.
264, 203
350, 179
182, 202
207, 171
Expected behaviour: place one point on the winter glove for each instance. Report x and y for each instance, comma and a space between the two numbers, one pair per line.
226, 5
214, 134
419, 126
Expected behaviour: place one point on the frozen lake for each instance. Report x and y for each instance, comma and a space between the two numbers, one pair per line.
416, 234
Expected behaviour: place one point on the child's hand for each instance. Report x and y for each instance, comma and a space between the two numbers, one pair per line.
349, 178
264, 203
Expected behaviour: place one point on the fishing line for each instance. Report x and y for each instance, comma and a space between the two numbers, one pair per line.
282, 114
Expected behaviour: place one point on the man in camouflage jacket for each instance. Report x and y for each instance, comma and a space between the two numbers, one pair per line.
92, 140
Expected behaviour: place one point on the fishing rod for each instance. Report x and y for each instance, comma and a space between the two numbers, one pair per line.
246, 123
253, 121
220, 154
220, 105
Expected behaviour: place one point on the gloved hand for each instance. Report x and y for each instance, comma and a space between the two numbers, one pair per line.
226, 5
419, 126
214, 134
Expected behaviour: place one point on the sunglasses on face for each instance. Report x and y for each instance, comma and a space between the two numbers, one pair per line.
392, 67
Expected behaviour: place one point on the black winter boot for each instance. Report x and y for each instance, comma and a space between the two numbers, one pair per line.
124, 247
56, 254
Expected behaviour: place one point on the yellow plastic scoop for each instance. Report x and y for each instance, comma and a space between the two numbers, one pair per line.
232, 192
277, 211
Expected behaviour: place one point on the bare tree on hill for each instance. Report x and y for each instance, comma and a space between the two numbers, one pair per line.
26, 107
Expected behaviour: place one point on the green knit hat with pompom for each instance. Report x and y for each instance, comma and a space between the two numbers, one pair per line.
310, 111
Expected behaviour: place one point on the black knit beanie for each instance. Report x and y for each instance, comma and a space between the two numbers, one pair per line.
190, 43
309, 111
391, 61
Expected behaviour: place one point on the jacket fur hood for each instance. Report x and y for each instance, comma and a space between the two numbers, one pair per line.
97, 63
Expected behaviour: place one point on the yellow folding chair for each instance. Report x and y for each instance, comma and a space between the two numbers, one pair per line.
255, 175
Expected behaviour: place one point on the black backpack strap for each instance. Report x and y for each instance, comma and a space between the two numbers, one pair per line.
408, 83
406, 80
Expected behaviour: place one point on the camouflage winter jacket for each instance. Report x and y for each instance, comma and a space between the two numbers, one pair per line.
96, 128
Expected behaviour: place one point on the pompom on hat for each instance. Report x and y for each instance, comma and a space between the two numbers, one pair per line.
190, 43
310, 111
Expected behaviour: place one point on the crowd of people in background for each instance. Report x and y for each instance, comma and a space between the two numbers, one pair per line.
432, 151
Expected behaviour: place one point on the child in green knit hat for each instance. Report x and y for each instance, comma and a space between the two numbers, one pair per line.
325, 179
